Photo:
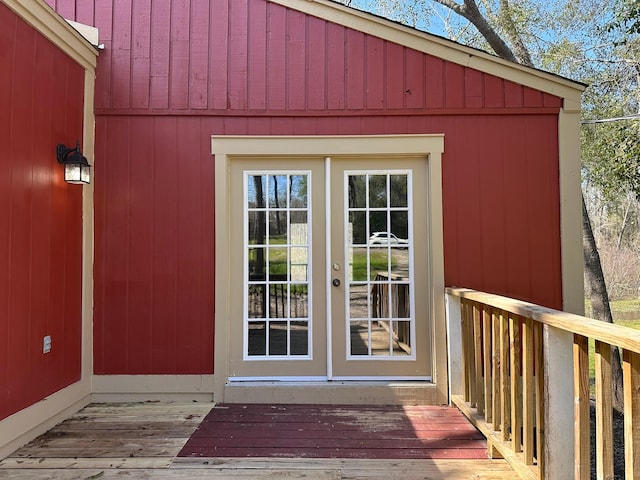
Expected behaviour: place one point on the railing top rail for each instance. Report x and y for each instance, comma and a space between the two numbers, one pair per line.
624, 337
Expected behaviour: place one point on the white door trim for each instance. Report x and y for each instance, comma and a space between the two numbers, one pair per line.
329, 266
224, 148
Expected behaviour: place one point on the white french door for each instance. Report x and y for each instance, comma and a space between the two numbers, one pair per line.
277, 310
379, 325
329, 276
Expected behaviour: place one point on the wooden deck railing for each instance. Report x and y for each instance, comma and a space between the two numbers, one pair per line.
520, 372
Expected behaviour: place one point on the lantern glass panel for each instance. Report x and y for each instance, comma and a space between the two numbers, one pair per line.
72, 172
77, 173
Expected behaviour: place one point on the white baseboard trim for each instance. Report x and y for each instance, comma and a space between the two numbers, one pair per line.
163, 388
31, 422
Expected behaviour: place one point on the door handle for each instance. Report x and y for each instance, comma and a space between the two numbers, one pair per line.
335, 282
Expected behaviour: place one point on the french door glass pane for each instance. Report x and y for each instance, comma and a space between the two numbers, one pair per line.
379, 247
378, 197
277, 265
256, 187
398, 191
298, 191
299, 332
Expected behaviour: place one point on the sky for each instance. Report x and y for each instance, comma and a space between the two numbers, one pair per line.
412, 13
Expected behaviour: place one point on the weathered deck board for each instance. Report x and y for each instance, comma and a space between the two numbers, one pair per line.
324, 469
128, 463
108, 426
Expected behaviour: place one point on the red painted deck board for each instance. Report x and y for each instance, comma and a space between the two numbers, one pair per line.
321, 431
335, 431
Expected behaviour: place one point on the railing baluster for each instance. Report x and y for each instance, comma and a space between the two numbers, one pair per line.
488, 375
539, 366
495, 366
527, 391
604, 412
514, 368
631, 372
470, 356
477, 344
581, 413
465, 350
504, 375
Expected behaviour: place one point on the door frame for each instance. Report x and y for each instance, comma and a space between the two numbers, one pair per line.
226, 148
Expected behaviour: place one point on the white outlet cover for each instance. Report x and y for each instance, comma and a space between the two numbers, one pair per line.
46, 344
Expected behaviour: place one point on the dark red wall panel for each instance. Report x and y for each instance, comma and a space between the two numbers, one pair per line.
335, 69
237, 66
315, 66
414, 87
41, 93
435, 82
154, 246
257, 95
354, 70
296, 61
173, 73
154, 268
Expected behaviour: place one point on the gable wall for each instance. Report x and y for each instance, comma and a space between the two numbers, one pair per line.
252, 55
172, 76
41, 94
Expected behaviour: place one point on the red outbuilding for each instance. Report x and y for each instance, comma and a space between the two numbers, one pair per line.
280, 192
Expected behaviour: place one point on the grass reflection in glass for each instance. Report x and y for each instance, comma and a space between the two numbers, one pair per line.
378, 261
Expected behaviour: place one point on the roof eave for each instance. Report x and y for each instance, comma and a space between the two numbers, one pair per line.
45, 20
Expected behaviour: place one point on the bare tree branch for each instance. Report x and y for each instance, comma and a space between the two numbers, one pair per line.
520, 49
469, 10
520, 54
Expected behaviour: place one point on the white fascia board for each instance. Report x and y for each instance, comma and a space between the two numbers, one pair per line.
58, 31
89, 33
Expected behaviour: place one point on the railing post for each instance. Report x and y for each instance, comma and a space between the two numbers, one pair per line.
558, 392
454, 344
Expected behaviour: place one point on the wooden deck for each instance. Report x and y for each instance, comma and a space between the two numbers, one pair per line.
143, 441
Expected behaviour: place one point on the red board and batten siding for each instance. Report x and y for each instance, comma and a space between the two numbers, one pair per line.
255, 57
154, 246
175, 74
41, 105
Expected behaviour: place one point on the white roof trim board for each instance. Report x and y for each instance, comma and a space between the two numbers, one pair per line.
58, 31
87, 31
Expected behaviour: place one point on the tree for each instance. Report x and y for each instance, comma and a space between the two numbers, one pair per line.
517, 51
627, 17
469, 9
508, 30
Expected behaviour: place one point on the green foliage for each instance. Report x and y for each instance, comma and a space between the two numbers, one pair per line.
616, 307
611, 157
596, 42
627, 18
628, 306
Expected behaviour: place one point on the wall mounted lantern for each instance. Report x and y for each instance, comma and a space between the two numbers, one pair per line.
76, 166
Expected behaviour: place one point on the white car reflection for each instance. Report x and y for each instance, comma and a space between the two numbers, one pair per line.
382, 239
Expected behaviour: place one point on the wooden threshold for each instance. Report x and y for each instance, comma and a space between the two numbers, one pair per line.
334, 392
